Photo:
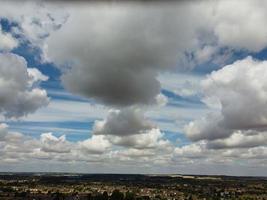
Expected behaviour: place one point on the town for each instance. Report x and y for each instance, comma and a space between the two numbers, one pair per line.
29, 186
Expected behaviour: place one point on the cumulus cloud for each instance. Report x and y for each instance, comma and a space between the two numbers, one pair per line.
97, 144
51, 143
237, 29
50, 150
240, 139
240, 88
130, 128
150, 139
208, 127
18, 97
241, 93
117, 56
113, 61
117, 60
193, 151
128, 121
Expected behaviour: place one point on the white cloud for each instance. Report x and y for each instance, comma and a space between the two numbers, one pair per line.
240, 90
98, 152
51, 143
150, 139
7, 41
129, 128
208, 127
97, 144
193, 151
35, 76
36, 20
240, 139
18, 98
242, 29
117, 58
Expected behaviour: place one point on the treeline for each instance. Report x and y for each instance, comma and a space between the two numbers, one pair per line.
116, 195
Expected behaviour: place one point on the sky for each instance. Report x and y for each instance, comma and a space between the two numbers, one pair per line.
134, 87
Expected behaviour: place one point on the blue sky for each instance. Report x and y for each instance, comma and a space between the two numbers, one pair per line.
94, 87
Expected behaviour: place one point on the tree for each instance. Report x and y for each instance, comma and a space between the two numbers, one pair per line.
129, 196
105, 195
117, 195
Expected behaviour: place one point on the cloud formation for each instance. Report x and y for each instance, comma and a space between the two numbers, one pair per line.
240, 139
51, 143
128, 121
116, 54
240, 93
117, 57
130, 128
18, 96
97, 144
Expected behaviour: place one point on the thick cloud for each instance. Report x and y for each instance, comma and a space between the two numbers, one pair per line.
18, 97
150, 139
115, 52
240, 89
51, 143
240, 139
50, 151
130, 128
240, 92
208, 127
128, 121
242, 29
193, 151
97, 144
114, 55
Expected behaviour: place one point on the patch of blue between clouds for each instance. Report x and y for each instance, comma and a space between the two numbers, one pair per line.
234, 55
178, 139
180, 101
74, 131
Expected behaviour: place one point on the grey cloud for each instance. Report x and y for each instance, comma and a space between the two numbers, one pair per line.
115, 51
130, 128
208, 128
116, 57
128, 121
